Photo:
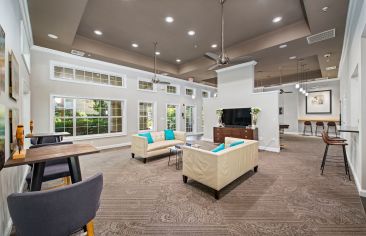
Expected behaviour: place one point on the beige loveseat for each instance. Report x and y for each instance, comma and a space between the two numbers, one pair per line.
141, 148
217, 170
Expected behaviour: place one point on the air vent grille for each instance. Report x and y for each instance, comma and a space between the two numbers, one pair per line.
328, 34
77, 52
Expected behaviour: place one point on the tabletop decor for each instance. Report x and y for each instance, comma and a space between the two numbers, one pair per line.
219, 118
20, 153
319, 102
255, 113
31, 126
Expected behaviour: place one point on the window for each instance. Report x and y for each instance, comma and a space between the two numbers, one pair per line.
189, 119
86, 75
146, 85
146, 116
80, 116
205, 94
202, 119
172, 89
172, 116
189, 91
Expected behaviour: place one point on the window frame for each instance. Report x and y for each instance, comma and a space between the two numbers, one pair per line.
178, 114
208, 93
154, 90
194, 120
194, 91
92, 136
177, 89
54, 64
154, 116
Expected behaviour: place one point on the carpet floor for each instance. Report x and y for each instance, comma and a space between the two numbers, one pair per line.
287, 196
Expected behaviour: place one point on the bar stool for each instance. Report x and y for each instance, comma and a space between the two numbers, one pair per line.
308, 124
318, 125
332, 125
335, 142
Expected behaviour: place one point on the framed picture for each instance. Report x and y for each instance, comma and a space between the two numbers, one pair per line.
2, 60
13, 77
2, 136
319, 102
13, 122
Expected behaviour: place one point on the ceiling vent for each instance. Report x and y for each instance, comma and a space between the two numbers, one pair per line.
328, 34
77, 53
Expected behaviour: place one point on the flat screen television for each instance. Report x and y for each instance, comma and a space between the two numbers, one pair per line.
236, 117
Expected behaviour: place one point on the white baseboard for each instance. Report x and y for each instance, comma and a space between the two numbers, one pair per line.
114, 146
269, 149
207, 139
361, 192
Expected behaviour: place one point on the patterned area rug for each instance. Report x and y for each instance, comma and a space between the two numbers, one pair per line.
287, 196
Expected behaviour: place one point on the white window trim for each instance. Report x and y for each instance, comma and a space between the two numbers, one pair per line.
178, 113
88, 69
208, 92
94, 136
146, 90
154, 116
194, 91
194, 125
175, 85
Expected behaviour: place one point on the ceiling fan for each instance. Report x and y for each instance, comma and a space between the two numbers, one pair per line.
222, 59
155, 79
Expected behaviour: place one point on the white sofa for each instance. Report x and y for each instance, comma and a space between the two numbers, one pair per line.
141, 148
217, 170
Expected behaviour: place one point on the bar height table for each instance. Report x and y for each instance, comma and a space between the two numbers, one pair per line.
39, 156
40, 136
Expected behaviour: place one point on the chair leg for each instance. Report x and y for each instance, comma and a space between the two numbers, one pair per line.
324, 158
133, 155
311, 129
90, 229
185, 179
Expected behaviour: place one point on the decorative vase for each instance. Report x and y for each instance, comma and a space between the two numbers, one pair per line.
20, 137
31, 126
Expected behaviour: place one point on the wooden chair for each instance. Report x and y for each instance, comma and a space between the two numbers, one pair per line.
307, 124
335, 142
319, 124
332, 125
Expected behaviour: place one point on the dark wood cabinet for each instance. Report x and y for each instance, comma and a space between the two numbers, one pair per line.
245, 133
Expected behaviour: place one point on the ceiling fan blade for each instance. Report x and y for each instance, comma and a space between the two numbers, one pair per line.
240, 59
212, 56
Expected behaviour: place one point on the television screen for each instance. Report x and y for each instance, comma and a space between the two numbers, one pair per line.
237, 117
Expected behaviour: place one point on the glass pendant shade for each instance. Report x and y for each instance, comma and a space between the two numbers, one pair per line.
297, 86
301, 89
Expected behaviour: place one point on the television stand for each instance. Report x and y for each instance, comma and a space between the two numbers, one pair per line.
235, 132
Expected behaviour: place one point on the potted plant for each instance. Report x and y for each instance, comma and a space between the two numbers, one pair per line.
255, 113
219, 117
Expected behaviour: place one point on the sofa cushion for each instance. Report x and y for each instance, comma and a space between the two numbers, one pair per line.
236, 143
163, 144
218, 148
169, 134
158, 136
147, 136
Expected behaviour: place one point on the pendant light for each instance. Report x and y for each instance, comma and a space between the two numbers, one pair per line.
297, 85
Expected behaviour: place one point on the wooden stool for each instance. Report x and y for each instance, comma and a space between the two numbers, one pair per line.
308, 124
335, 142
319, 124
332, 124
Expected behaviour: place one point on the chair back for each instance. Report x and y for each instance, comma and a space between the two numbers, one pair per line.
331, 123
56, 212
320, 123
307, 122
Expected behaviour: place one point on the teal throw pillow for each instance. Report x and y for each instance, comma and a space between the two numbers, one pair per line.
218, 148
169, 134
148, 136
236, 143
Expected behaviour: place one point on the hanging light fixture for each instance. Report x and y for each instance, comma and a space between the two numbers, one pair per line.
297, 85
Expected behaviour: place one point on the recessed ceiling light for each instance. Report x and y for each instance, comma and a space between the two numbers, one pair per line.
291, 58
283, 46
277, 19
135, 45
157, 53
214, 45
178, 60
98, 32
52, 36
191, 33
169, 19
324, 9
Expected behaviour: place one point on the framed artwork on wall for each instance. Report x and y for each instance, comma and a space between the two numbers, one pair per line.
13, 122
2, 136
13, 77
319, 102
2, 60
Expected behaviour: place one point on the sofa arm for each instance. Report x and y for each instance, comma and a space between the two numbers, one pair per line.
179, 135
139, 145
229, 140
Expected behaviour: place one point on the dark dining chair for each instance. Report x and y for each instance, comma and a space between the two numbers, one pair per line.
333, 126
319, 124
54, 169
334, 142
308, 126
58, 212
